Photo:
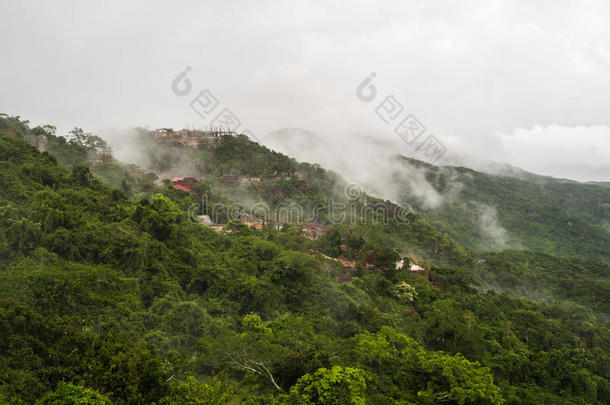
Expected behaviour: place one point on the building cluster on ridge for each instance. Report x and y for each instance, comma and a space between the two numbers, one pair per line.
189, 136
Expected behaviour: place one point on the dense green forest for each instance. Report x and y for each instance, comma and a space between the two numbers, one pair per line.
493, 212
110, 293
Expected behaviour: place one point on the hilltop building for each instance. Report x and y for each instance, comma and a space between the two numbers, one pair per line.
37, 141
183, 183
191, 137
107, 154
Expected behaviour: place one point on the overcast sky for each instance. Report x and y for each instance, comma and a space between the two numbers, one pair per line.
526, 83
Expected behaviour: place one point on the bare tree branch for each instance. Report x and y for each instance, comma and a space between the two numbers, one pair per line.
257, 367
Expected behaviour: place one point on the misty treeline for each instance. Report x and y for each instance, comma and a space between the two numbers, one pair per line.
522, 211
113, 295
499, 208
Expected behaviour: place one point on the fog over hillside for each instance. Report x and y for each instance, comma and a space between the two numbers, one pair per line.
305, 202
522, 83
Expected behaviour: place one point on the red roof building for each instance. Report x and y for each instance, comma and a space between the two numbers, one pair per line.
183, 183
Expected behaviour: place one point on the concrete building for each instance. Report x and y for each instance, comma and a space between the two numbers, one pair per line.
37, 141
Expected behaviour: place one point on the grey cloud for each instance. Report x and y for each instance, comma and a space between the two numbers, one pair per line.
474, 72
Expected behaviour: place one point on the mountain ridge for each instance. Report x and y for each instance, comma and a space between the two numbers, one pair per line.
117, 295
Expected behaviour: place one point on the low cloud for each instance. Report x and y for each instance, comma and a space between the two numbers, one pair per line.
580, 153
491, 229
473, 73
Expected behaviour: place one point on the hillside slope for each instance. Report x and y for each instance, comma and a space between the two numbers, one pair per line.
491, 212
128, 301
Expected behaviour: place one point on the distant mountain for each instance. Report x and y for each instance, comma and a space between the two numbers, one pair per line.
495, 212
601, 183
496, 207
114, 293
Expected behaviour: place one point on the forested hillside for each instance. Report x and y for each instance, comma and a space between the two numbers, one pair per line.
493, 212
113, 294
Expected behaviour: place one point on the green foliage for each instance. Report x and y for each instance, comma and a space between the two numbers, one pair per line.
428, 377
543, 277
131, 180
69, 394
127, 298
456, 379
250, 157
38, 352
192, 392
335, 386
81, 175
331, 243
523, 211
405, 291
84, 140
